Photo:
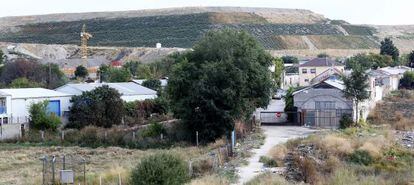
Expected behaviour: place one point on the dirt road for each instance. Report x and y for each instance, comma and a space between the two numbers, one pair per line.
274, 136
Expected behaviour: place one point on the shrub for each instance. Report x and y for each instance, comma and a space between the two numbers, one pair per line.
337, 145
345, 122
202, 167
160, 169
361, 157
268, 162
278, 153
154, 129
81, 72
41, 119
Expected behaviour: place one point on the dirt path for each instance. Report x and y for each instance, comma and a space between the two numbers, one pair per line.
274, 136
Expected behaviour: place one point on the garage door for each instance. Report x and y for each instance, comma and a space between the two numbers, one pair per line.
54, 107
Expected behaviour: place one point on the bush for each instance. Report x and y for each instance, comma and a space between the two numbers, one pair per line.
407, 81
268, 162
153, 84
160, 169
361, 157
345, 122
40, 119
154, 129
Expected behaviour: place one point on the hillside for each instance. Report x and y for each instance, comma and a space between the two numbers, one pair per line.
276, 29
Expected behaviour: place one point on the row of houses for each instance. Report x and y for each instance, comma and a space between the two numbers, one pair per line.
322, 103
15, 103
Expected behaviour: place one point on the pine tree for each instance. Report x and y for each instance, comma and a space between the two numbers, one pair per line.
388, 48
411, 59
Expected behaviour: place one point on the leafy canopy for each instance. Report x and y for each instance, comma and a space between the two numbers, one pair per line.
223, 79
81, 72
100, 107
111, 74
407, 81
388, 48
278, 71
153, 84
369, 61
40, 118
356, 86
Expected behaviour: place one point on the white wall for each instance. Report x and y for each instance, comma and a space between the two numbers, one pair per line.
137, 97
20, 107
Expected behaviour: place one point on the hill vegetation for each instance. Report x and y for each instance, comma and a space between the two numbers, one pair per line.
276, 29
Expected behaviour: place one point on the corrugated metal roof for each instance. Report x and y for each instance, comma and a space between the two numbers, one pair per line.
32, 93
321, 62
398, 70
124, 88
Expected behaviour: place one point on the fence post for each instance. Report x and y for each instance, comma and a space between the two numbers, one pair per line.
63, 135
100, 179
133, 135
190, 168
162, 136
119, 177
197, 137
53, 169
42, 135
233, 141
84, 171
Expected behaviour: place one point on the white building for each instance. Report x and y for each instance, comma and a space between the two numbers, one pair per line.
129, 91
15, 103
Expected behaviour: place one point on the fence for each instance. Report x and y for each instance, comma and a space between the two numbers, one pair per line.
65, 169
324, 118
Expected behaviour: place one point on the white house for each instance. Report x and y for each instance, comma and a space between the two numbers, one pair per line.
129, 91
15, 103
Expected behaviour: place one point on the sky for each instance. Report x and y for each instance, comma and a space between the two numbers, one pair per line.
379, 12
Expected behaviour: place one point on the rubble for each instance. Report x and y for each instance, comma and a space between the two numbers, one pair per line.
405, 139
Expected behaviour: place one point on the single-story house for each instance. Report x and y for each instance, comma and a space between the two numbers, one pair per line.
15, 103
395, 74
129, 91
323, 104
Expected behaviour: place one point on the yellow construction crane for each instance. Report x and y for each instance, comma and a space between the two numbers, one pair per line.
85, 36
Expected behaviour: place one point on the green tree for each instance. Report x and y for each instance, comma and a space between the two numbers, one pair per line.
132, 67
81, 72
153, 84
223, 79
322, 55
23, 83
290, 60
388, 48
369, 61
102, 107
289, 103
411, 59
2, 58
41, 119
110, 74
356, 87
407, 81
278, 74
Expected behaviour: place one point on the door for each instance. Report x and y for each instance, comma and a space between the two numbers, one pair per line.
54, 107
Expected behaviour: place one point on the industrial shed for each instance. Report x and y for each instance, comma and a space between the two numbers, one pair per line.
15, 103
129, 91
323, 104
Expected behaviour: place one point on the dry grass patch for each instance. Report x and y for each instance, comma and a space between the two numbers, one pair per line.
210, 180
278, 153
336, 145
269, 179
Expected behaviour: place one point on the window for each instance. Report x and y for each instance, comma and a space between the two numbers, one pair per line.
323, 105
3, 106
304, 71
313, 71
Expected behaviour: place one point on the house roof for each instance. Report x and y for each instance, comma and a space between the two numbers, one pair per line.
124, 88
164, 82
334, 82
32, 93
321, 62
398, 70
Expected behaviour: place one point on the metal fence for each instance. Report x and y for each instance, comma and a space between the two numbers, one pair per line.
65, 169
324, 118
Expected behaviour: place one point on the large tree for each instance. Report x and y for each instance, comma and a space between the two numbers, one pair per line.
223, 79
356, 87
369, 61
102, 107
388, 48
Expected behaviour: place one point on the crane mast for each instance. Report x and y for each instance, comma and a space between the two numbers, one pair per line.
85, 36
